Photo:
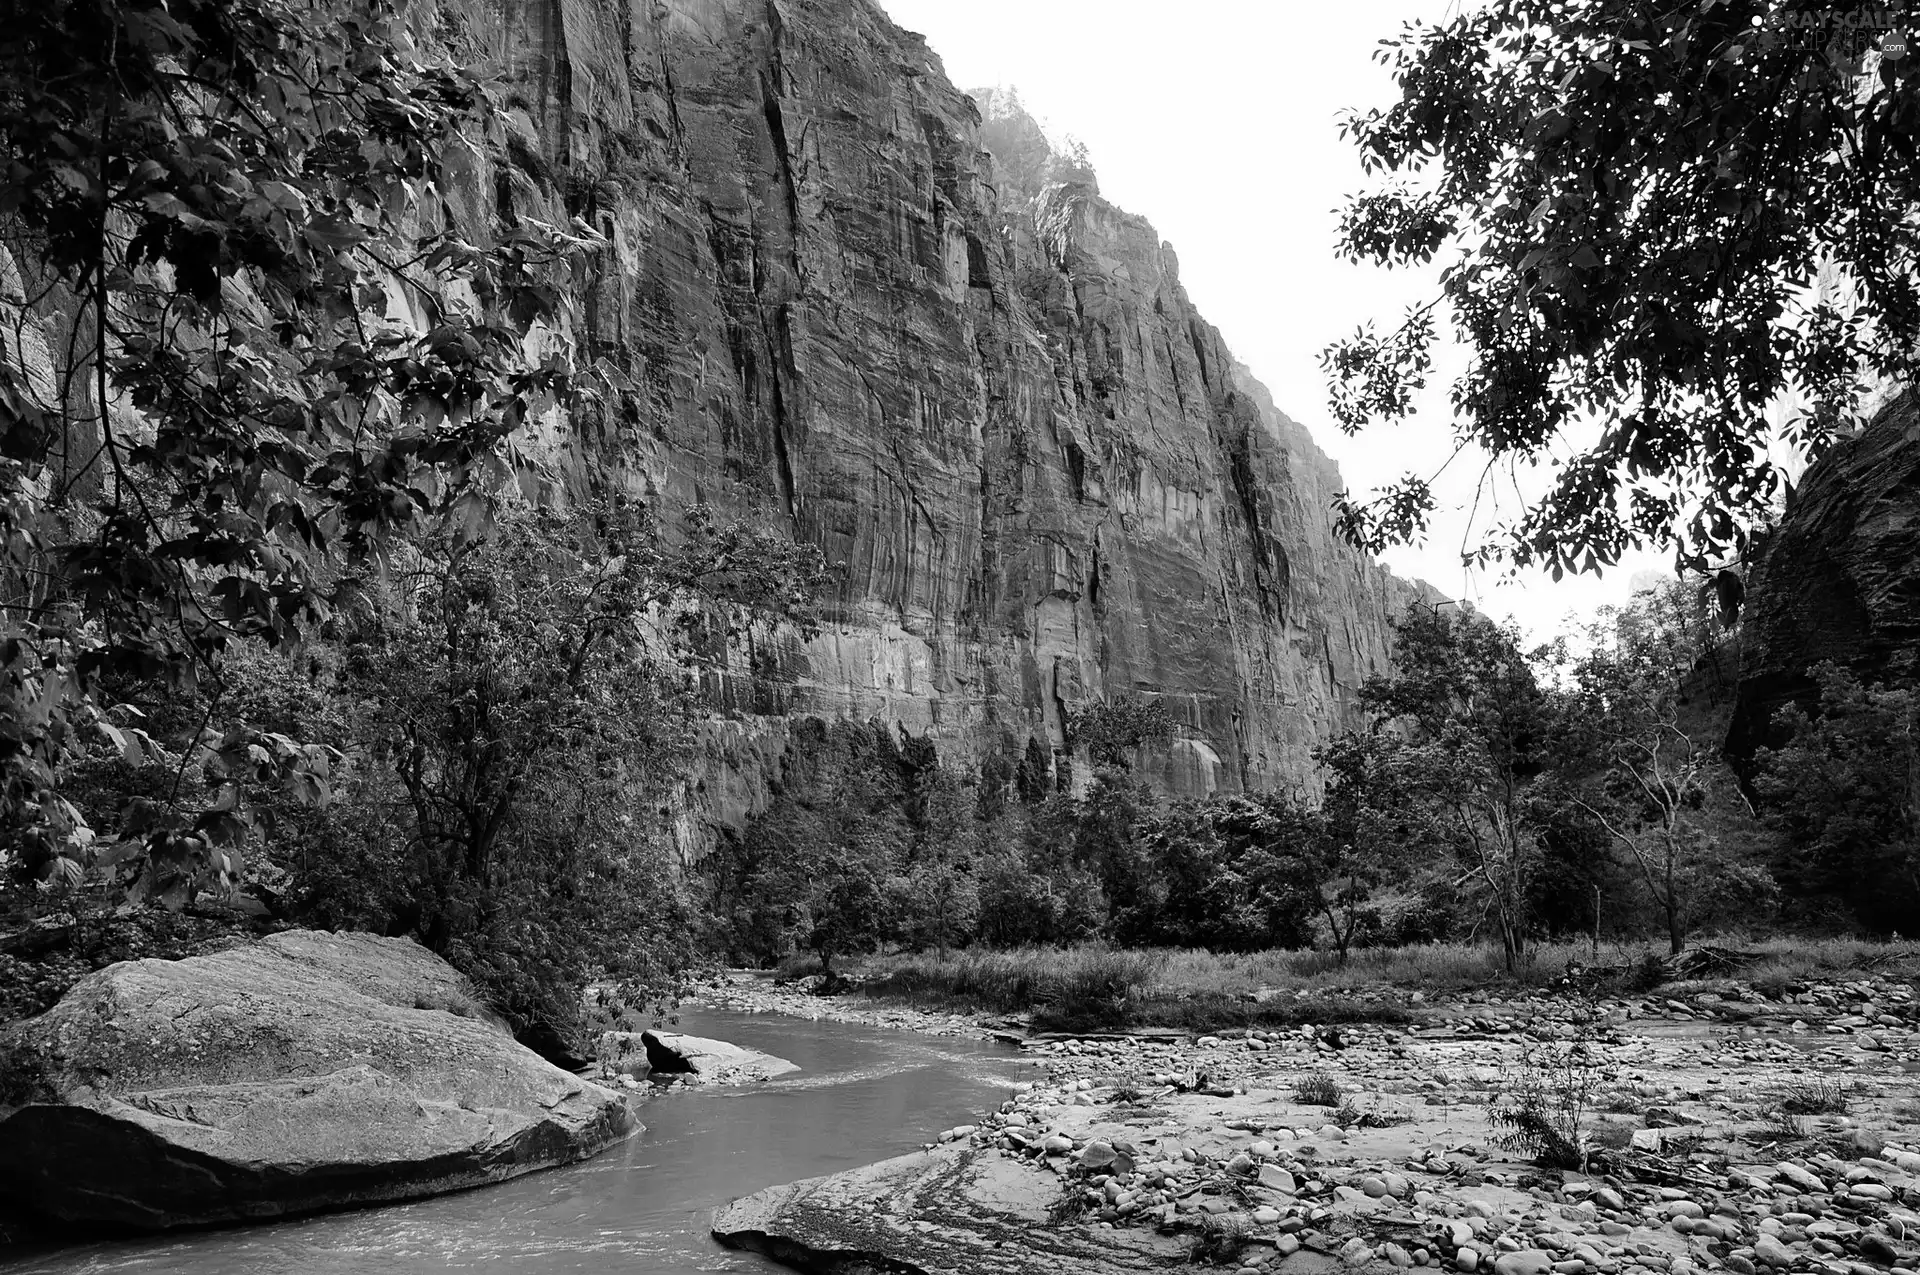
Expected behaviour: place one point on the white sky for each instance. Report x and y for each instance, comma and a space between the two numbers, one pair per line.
1217, 120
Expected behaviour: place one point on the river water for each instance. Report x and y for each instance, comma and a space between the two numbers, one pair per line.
861, 1094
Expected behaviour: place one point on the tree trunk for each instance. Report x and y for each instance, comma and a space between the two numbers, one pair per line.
1676, 932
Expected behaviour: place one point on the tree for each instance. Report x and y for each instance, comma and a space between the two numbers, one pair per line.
813, 871
1843, 794
1111, 732
1656, 220
205, 414
529, 723
1106, 842
1032, 778
1238, 872
1367, 827
1467, 724
1032, 886
1660, 781
938, 897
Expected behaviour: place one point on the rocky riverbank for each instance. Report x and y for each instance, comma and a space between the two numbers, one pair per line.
1723, 1129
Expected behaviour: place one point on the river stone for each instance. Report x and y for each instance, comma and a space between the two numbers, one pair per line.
1272, 1175
1097, 1155
308, 1071
1800, 1177
1528, 1261
954, 1210
713, 1062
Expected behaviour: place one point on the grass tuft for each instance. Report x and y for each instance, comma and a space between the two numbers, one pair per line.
1317, 1090
1818, 1096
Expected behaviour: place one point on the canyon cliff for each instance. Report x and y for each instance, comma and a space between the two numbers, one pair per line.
1835, 580
846, 299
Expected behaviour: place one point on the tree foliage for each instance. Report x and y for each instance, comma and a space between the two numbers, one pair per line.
1469, 724
817, 870
242, 349
1111, 732
1658, 785
1370, 825
1843, 794
532, 728
1239, 873
1655, 220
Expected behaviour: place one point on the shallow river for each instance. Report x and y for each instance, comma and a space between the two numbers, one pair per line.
861, 1095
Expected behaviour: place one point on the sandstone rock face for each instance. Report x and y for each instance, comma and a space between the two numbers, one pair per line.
953, 1211
308, 1071
1840, 577
713, 1062
844, 301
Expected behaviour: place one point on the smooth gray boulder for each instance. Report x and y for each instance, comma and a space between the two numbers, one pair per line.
950, 1211
308, 1071
713, 1062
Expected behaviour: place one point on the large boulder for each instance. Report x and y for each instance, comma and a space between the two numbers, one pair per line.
1839, 578
308, 1071
957, 1210
709, 1061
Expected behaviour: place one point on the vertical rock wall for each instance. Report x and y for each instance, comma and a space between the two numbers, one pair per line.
842, 301
1837, 579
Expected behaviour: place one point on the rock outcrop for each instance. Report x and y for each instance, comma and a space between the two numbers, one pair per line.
952, 1211
843, 300
712, 1062
304, 1072
1839, 578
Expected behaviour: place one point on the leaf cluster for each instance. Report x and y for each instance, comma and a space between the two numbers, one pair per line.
244, 353
1655, 222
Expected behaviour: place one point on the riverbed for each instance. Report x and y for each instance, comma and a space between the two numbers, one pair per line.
862, 1094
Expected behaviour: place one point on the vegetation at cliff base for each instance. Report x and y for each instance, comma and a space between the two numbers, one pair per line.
1497, 794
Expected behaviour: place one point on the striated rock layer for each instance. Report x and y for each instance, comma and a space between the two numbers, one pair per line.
853, 302
954, 1211
1837, 579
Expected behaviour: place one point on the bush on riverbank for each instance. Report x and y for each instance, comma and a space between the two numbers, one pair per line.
1094, 987
1018, 980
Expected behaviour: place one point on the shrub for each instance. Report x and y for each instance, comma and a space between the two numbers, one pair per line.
1543, 1108
1816, 1096
1843, 795
1111, 732
1317, 1090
